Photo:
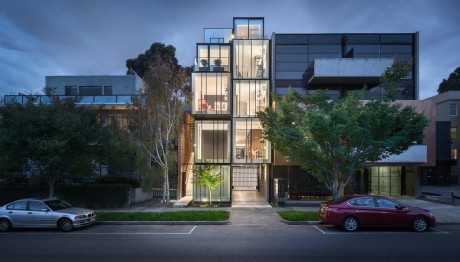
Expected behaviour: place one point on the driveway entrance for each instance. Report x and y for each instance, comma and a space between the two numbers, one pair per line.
245, 178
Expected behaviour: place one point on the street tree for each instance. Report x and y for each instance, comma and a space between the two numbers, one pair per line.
332, 139
209, 176
156, 116
452, 83
58, 138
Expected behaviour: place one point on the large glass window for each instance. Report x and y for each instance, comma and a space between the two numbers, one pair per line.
211, 93
453, 153
221, 193
248, 28
251, 58
250, 96
213, 58
217, 35
212, 141
248, 146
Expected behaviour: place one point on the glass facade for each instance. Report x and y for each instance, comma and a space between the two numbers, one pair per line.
213, 57
295, 55
250, 97
250, 59
217, 35
212, 141
211, 93
221, 194
248, 28
248, 145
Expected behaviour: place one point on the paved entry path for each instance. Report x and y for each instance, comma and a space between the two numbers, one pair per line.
249, 208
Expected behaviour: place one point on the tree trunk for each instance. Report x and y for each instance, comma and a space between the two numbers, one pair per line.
166, 197
210, 197
51, 184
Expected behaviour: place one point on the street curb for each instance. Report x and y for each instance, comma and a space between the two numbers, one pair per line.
162, 222
287, 222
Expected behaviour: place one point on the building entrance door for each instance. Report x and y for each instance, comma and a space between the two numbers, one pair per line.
245, 178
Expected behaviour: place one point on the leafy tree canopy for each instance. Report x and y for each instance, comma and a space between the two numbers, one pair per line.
157, 52
332, 139
58, 138
452, 83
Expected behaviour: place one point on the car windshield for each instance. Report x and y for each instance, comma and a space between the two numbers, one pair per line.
56, 204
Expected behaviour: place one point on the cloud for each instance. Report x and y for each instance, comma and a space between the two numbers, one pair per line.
86, 37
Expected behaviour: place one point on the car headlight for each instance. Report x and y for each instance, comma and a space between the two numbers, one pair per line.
80, 216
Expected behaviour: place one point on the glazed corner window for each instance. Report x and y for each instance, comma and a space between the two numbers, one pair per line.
453, 133
248, 28
453, 153
453, 109
212, 141
211, 93
250, 96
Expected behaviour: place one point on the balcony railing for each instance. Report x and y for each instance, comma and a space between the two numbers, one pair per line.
80, 100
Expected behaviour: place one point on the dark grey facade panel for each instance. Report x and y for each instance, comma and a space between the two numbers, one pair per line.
291, 49
397, 38
289, 82
325, 39
291, 39
325, 49
362, 38
291, 67
443, 141
292, 58
402, 49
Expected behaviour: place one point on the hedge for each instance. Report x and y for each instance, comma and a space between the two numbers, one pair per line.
91, 196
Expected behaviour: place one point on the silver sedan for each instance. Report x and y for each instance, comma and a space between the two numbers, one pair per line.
44, 213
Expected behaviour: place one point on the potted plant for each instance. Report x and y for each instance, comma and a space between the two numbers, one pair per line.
217, 65
204, 63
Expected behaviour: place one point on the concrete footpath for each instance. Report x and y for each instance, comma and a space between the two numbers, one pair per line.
267, 216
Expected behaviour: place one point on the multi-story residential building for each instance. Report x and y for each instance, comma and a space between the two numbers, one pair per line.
446, 169
236, 69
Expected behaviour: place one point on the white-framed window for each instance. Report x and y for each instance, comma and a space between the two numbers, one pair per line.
453, 109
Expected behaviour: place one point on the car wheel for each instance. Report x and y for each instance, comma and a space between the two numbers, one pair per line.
65, 224
350, 224
419, 224
5, 225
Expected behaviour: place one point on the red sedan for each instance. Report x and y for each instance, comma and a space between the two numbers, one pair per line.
353, 212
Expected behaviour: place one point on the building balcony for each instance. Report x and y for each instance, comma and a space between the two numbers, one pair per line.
115, 100
348, 70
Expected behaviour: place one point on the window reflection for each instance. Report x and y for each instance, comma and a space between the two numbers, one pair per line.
251, 97
249, 147
211, 93
212, 141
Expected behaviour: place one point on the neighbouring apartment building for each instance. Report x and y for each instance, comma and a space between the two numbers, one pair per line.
235, 71
447, 142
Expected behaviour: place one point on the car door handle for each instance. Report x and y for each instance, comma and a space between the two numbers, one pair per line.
11, 212
30, 213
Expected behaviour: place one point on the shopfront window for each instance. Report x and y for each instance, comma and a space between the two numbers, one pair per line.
251, 58
250, 96
249, 146
211, 93
212, 141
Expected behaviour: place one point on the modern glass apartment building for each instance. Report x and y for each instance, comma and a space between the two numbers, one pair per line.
230, 84
235, 71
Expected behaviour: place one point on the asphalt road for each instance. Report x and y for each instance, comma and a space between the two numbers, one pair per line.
229, 243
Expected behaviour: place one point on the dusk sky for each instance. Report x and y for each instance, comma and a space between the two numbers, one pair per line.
95, 37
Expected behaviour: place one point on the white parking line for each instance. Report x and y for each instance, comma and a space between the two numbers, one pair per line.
436, 231
108, 233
